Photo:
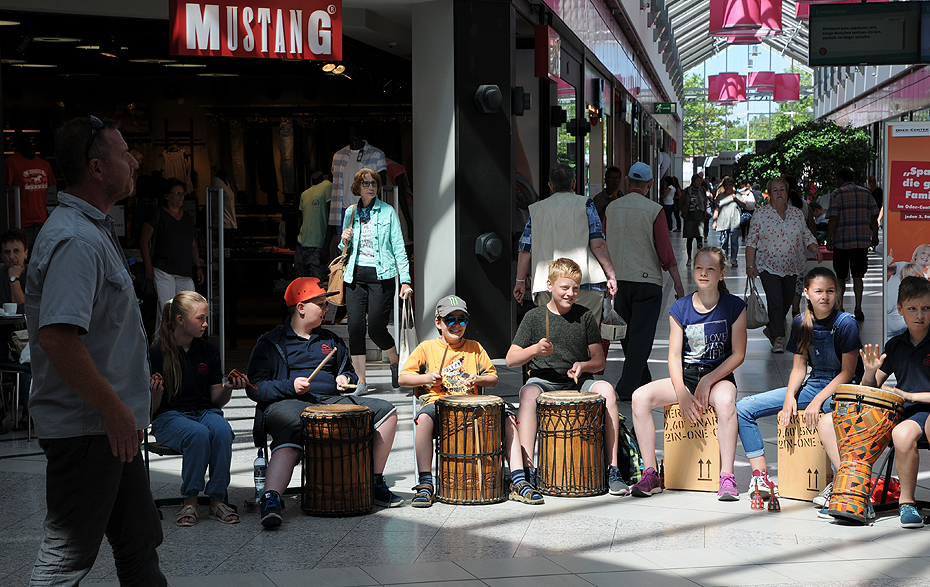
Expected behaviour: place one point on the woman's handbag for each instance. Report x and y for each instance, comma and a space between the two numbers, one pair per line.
336, 268
336, 284
408, 332
756, 314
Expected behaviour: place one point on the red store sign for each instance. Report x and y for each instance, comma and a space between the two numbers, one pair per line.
260, 29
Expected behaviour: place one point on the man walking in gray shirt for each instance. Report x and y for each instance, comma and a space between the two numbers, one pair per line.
90, 398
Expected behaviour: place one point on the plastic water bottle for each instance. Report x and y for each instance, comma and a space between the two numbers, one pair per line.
260, 465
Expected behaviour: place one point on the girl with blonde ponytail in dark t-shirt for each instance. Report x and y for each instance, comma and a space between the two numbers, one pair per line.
707, 342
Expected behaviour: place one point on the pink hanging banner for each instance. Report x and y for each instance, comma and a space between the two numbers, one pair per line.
713, 88
732, 87
761, 80
744, 40
802, 11
770, 13
787, 87
735, 17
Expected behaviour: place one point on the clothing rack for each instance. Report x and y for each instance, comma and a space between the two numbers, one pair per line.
184, 137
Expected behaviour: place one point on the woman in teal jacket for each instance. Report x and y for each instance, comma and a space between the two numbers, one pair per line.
377, 255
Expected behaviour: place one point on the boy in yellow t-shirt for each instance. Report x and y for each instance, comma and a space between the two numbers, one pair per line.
450, 365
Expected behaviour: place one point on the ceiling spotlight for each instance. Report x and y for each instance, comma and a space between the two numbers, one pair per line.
8, 22
339, 69
328, 67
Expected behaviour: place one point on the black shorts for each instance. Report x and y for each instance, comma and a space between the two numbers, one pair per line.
850, 260
692, 375
918, 413
282, 418
430, 410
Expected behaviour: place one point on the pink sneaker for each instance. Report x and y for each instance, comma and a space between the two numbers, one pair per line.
648, 485
727, 490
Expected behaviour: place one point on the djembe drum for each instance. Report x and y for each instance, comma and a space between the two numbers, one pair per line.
336, 478
570, 428
469, 450
863, 418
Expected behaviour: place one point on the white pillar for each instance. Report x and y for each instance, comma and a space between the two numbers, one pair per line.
434, 158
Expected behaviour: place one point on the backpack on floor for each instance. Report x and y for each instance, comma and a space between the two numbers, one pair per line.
629, 461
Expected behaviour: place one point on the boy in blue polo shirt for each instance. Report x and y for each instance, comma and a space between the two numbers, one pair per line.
279, 368
907, 357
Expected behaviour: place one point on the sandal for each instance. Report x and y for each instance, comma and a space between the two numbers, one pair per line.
423, 498
224, 513
186, 517
532, 496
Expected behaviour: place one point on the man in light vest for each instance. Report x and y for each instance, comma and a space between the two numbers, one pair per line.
637, 238
565, 225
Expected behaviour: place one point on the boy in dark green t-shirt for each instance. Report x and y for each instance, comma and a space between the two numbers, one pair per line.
561, 342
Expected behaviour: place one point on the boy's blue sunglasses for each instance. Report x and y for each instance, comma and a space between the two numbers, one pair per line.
451, 320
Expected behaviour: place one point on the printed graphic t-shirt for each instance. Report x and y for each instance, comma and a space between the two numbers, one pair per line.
708, 338
457, 365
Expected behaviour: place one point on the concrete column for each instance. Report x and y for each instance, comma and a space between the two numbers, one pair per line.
435, 240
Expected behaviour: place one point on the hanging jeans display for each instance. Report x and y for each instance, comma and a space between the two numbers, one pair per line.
286, 144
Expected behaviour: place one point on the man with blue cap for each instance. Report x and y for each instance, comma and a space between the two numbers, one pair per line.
638, 242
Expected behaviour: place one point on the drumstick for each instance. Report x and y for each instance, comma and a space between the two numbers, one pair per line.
323, 362
350, 386
441, 363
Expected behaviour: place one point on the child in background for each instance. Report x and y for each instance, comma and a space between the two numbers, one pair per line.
907, 357
187, 396
828, 341
707, 342
451, 365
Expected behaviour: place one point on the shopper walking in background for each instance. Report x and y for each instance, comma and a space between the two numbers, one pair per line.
778, 236
372, 236
727, 218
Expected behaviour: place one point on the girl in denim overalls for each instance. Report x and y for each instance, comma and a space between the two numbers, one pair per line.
826, 339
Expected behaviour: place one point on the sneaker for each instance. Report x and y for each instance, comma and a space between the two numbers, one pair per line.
778, 347
385, 498
649, 485
761, 480
689, 262
615, 482
910, 517
361, 389
728, 489
860, 317
394, 383
823, 499
735, 263
869, 511
822, 513
272, 506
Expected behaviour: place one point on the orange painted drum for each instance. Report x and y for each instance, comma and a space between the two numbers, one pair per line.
863, 418
336, 479
470, 450
570, 435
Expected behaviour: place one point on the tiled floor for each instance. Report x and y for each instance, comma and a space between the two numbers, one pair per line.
674, 539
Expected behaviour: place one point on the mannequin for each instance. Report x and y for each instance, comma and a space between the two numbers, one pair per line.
309, 258
346, 162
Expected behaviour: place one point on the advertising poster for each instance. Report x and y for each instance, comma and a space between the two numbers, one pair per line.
907, 211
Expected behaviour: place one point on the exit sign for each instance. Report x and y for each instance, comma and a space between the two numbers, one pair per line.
665, 108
